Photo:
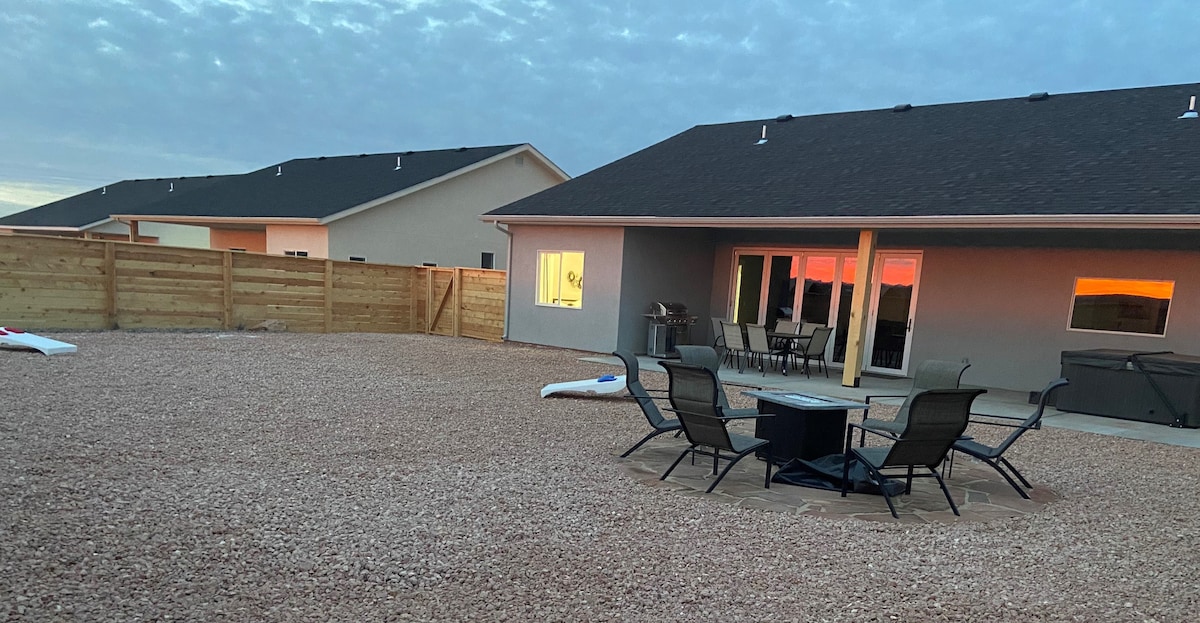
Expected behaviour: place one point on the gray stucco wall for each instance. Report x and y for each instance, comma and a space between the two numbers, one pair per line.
440, 224
673, 265
1007, 309
593, 326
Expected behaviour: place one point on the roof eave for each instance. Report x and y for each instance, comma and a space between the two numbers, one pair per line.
217, 220
1051, 221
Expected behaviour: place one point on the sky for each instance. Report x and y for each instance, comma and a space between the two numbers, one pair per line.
97, 91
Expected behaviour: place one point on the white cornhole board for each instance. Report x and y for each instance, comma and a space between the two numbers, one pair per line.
21, 339
604, 385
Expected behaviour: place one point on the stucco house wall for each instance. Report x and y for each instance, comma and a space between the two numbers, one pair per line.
594, 325
440, 224
313, 239
250, 240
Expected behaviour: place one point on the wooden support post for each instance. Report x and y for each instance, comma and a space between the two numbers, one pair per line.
227, 290
329, 296
861, 301
133, 231
428, 300
110, 285
458, 301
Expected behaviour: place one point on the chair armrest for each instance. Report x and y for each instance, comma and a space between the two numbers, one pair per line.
886, 435
747, 417
867, 399
1004, 424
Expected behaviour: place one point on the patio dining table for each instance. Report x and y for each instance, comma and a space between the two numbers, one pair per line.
788, 343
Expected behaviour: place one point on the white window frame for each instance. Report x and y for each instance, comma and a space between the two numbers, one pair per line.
543, 263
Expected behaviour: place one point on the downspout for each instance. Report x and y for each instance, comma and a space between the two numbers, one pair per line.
507, 279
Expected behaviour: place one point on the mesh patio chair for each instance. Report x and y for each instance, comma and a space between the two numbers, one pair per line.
930, 374
718, 336
759, 347
936, 419
994, 455
645, 401
708, 359
735, 346
693, 395
813, 349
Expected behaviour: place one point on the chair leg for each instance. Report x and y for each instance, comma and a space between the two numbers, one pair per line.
1011, 482
882, 482
676, 463
770, 461
728, 467
1015, 472
846, 459
946, 491
644, 440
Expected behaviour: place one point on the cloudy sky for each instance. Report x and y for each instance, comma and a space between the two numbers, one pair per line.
96, 91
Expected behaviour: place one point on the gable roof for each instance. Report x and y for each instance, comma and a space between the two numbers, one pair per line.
1101, 156
94, 206
322, 188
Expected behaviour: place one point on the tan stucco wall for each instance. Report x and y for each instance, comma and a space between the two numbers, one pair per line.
592, 327
311, 238
168, 234
251, 241
1007, 310
440, 224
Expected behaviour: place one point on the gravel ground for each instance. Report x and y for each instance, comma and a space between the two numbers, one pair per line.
355, 477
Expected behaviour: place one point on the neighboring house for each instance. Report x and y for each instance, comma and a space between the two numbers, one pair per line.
88, 215
407, 208
1001, 232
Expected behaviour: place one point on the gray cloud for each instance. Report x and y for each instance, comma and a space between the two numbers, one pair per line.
99, 91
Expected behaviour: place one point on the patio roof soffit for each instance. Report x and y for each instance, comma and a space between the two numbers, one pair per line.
1026, 221
216, 220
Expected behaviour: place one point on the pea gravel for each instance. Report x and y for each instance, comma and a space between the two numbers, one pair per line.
361, 477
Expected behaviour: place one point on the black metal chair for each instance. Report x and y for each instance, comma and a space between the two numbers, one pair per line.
645, 401
994, 455
735, 344
708, 358
930, 374
936, 419
814, 350
693, 394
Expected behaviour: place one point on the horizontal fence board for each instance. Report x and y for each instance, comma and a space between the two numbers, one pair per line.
63, 283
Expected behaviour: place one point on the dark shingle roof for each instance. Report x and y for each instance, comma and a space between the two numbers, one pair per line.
1098, 153
305, 188
127, 197
321, 187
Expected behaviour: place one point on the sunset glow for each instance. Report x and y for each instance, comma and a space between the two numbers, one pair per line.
1101, 287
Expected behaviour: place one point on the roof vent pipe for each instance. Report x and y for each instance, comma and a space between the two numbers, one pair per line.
104, 191
279, 170
171, 188
397, 164
1191, 111
764, 136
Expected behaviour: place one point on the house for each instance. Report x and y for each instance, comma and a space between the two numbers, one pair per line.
998, 232
88, 215
413, 207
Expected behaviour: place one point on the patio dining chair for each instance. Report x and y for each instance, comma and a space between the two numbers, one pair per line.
930, 374
813, 349
645, 401
759, 347
994, 455
735, 345
693, 395
936, 419
708, 358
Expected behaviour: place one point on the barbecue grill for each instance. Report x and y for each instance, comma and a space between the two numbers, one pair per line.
669, 323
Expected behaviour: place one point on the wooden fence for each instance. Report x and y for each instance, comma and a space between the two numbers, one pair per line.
48, 282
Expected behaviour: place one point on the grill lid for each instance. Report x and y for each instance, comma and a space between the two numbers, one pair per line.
660, 308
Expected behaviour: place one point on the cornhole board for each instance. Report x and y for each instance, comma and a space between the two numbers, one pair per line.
607, 384
20, 339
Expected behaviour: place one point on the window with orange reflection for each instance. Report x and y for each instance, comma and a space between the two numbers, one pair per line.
1122, 305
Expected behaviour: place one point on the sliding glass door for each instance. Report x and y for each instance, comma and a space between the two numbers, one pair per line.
818, 287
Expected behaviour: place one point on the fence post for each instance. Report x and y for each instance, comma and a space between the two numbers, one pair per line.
329, 296
458, 310
227, 290
110, 285
428, 300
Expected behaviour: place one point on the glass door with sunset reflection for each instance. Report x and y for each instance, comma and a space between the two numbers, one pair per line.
818, 287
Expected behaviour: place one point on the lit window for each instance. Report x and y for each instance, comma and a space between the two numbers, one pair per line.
560, 278
1122, 305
